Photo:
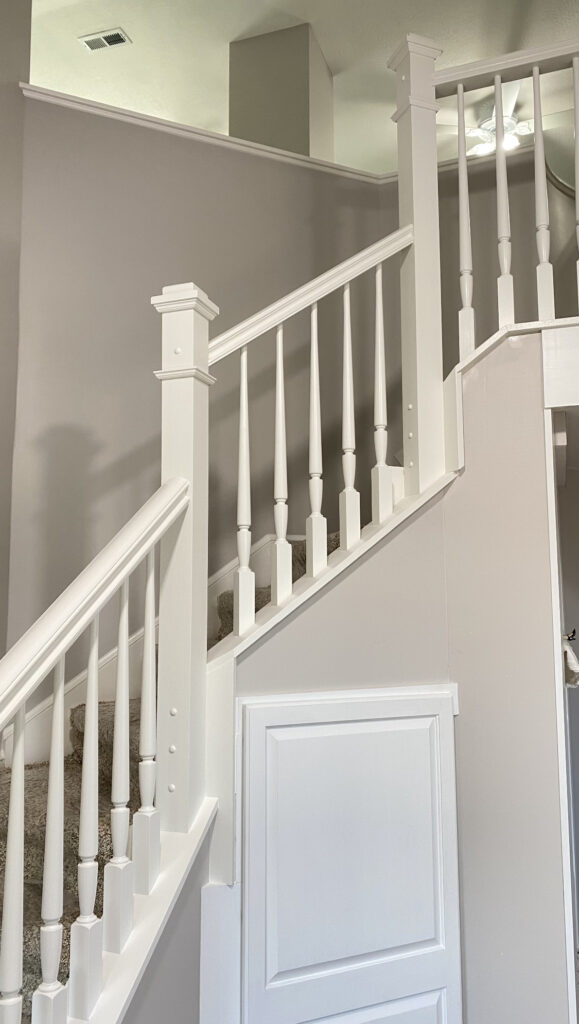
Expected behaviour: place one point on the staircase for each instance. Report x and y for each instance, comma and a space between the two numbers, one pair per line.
127, 812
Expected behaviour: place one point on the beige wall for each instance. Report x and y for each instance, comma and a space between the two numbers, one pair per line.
14, 65
112, 213
502, 657
169, 989
281, 92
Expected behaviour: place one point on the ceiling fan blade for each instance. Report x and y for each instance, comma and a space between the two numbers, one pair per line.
510, 96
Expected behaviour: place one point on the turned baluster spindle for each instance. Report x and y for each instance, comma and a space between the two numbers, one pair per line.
349, 497
576, 119
86, 933
50, 1001
281, 575
545, 287
382, 484
146, 822
506, 300
13, 901
244, 580
466, 328
119, 877
88, 837
316, 526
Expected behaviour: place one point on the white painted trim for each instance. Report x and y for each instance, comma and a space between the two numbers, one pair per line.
512, 331
122, 974
86, 106
305, 588
346, 696
560, 712
510, 66
310, 293
32, 657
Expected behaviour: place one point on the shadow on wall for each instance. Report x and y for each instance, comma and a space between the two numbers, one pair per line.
71, 476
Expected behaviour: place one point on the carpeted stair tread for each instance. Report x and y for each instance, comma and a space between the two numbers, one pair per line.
263, 594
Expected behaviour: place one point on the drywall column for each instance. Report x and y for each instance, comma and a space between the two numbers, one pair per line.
280, 92
14, 68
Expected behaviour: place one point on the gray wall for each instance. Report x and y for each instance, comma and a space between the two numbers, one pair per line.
281, 92
169, 990
14, 67
112, 213
462, 592
362, 630
501, 655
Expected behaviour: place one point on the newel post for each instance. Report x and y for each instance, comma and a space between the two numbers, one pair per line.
421, 315
185, 381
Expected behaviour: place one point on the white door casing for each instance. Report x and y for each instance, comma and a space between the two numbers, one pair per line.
350, 873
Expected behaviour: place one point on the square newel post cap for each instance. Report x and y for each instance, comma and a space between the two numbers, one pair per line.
413, 44
178, 297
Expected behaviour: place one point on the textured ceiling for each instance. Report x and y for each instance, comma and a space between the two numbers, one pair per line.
177, 67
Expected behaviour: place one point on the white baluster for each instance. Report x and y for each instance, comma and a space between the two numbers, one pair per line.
2, 748
50, 1001
349, 497
147, 820
576, 111
382, 481
466, 330
316, 525
13, 905
545, 287
281, 564
119, 879
244, 580
506, 299
86, 935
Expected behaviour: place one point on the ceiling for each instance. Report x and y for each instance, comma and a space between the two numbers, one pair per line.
177, 67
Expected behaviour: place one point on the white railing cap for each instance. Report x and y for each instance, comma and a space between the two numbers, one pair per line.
177, 297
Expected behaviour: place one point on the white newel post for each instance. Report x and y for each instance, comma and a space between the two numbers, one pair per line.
186, 312
421, 317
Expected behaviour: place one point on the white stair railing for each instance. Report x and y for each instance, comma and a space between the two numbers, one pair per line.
146, 822
49, 1002
494, 74
273, 319
316, 523
28, 663
119, 877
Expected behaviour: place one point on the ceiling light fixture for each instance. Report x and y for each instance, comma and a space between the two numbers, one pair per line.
486, 134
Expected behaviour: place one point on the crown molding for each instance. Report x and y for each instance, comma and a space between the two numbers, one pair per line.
86, 106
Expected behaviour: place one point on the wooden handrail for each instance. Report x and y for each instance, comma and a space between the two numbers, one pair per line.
33, 656
511, 67
302, 298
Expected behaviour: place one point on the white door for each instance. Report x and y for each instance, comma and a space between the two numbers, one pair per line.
350, 875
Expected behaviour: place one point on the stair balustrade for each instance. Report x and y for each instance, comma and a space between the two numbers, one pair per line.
40, 652
494, 73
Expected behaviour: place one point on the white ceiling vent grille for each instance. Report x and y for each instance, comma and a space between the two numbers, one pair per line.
104, 40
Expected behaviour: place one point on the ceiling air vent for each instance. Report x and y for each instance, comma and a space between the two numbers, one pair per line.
104, 40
